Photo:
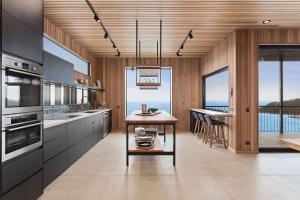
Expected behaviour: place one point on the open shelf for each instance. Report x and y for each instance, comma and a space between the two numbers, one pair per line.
159, 146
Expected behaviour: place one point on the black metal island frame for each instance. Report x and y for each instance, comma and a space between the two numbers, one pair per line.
163, 118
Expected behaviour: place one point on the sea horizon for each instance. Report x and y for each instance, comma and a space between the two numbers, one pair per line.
268, 122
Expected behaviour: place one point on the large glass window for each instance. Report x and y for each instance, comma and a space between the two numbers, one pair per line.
279, 96
269, 93
160, 98
216, 90
80, 65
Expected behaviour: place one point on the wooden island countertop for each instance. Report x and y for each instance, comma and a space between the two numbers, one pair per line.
162, 118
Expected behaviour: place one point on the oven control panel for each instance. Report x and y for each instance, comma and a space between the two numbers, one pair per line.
21, 64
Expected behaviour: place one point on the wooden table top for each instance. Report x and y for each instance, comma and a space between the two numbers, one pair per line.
292, 143
212, 112
161, 118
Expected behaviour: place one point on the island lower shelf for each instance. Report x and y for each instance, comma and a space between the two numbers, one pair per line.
161, 119
159, 147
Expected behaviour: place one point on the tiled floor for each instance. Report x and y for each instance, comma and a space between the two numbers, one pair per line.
200, 173
273, 139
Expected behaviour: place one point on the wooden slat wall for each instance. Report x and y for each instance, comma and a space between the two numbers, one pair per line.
186, 86
56, 34
247, 77
220, 56
239, 51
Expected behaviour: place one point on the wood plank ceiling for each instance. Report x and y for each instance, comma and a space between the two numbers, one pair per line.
210, 21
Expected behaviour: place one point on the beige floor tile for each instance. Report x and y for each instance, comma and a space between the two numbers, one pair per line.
134, 188
201, 173
256, 188
194, 188
75, 188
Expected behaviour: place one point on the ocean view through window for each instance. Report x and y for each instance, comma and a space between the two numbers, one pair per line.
160, 98
279, 96
215, 94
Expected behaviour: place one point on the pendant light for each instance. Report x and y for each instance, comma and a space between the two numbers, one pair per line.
148, 76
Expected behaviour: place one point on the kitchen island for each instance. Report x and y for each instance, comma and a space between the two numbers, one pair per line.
162, 118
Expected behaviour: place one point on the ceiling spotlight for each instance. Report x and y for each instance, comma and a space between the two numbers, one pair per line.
178, 54
191, 35
96, 18
181, 46
105, 35
266, 21
114, 46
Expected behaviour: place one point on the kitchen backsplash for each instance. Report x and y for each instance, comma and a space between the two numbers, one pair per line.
60, 111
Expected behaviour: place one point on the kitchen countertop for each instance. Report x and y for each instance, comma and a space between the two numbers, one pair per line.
55, 122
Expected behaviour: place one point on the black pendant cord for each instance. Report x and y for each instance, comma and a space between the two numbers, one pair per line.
107, 35
160, 42
139, 51
189, 35
136, 42
157, 52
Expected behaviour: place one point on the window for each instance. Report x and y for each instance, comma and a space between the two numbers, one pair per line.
216, 90
279, 95
154, 98
80, 65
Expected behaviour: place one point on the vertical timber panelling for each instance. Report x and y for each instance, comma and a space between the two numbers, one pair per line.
240, 52
248, 42
186, 86
222, 55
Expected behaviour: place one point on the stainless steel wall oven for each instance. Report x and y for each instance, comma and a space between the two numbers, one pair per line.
21, 133
21, 85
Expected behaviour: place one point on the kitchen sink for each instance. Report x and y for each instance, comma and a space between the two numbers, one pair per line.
90, 111
72, 116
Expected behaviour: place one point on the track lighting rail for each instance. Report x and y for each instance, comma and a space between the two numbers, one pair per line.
189, 35
106, 34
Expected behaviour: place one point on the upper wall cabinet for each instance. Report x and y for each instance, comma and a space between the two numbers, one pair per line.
58, 70
22, 28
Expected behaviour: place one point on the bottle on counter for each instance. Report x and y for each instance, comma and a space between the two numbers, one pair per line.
144, 108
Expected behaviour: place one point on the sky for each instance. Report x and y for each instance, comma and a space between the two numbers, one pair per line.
216, 88
163, 94
269, 80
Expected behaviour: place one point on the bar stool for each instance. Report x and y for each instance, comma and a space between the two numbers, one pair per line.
197, 124
203, 127
215, 131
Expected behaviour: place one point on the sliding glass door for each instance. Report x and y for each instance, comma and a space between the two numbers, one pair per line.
279, 95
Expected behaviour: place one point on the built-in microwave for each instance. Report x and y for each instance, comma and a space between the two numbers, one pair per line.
21, 85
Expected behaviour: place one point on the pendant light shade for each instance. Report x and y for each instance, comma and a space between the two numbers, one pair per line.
148, 77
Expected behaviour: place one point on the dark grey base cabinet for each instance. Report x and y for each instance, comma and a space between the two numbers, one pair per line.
31, 189
18, 170
65, 144
77, 130
22, 177
91, 140
55, 167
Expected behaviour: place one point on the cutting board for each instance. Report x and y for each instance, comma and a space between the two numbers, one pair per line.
148, 114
